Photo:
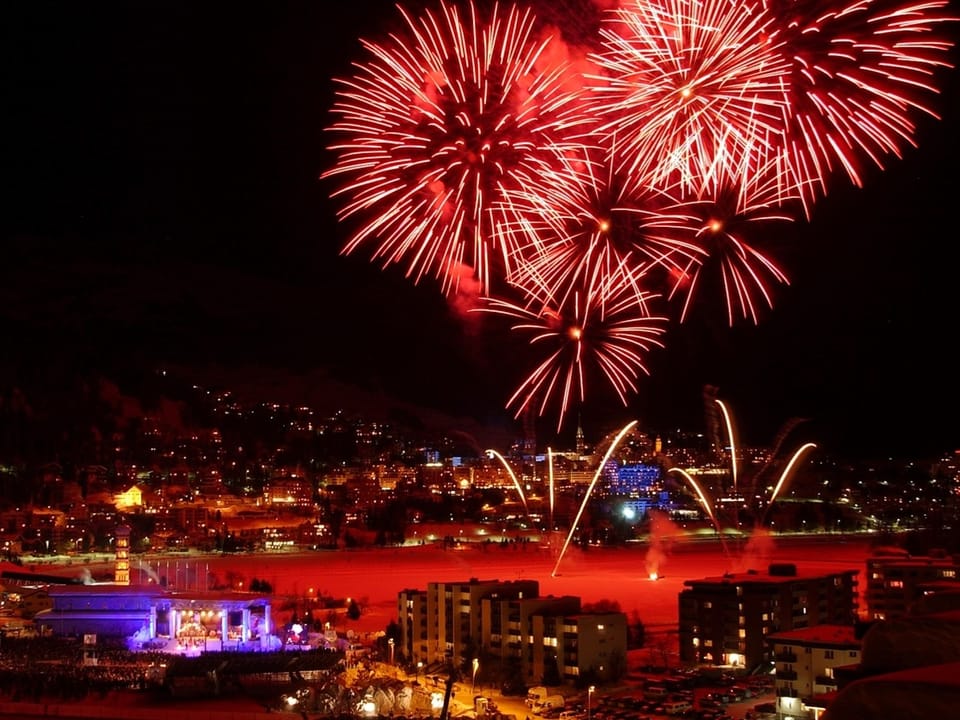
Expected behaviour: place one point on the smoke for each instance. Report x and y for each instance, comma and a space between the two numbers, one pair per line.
758, 550
467, 296
151, 573
662, 532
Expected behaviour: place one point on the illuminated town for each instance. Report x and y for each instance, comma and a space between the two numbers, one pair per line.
150, 552
386, 360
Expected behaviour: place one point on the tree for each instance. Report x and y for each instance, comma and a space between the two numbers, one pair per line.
659, 649
636, 631
353, 610
603, 605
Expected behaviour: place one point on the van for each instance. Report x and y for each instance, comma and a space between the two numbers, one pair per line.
676, 707
535, 695
551, 702
654, 692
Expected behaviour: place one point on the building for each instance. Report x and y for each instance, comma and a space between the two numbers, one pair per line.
805, 661
151, 616
443, 621
909, 669
594, 646
508, 625
897, 581
726, 620
506, 629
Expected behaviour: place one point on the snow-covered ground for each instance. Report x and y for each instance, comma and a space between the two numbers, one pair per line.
373, 577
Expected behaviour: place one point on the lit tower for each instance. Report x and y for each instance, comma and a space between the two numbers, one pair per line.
581, 444
712, 412
529, 431
121, 568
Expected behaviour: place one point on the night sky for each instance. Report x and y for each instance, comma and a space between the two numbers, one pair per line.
163, 204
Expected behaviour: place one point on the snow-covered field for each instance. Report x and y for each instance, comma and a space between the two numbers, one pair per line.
374, 576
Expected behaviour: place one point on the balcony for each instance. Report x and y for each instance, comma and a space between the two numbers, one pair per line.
786, 674
788, 657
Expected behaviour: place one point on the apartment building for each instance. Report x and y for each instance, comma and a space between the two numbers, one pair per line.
443, 621
507, 625
805, 662
726, 620
897, 582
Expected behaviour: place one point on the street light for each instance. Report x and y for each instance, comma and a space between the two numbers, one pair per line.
590, 691
390, 643
476, 666
419, 667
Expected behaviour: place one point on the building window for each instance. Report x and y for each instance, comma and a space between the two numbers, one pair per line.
828, 654
896, 583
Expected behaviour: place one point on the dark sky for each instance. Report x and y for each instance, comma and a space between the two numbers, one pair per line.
162, 198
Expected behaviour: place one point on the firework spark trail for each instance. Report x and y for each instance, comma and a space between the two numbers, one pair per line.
863, 72
483, 150
591, 220
738, 200
596, 476
684, 82
600, 326
435, 124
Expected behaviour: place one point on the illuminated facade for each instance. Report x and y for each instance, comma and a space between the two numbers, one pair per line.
897, 581
727, 620
121, 573
805, 661
509, 622
155, 618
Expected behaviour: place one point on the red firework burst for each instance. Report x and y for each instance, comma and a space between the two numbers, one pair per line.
730, 207
863, 72
436, 124
685, 83
591, 221
599, 327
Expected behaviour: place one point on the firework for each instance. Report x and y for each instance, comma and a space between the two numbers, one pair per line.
487, 151
598, 328
731, 208
684, 83
436, 123
862, 73
589, 220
